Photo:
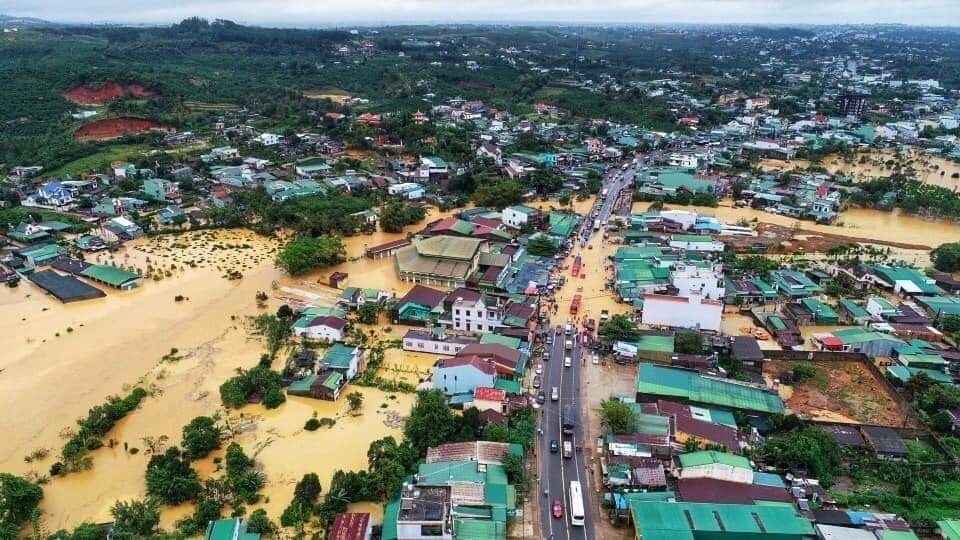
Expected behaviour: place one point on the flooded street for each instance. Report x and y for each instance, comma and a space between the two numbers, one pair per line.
63, 359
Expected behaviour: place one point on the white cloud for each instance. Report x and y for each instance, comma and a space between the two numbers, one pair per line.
375, 12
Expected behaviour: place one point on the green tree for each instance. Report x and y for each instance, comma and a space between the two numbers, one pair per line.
397, 215
242, 478
546, 181
618, 328
369, 312
260, 523
514, 467
389, 463
431, 422
541, 246
499, 194
808, 449
304, 254
274, 329
170, 478
354, 401
19, 499
135, 519
200, 437
688, 343
951, 324
946, 257
308, 489
83, 531
616, 416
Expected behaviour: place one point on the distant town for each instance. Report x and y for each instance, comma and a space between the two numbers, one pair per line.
481, 283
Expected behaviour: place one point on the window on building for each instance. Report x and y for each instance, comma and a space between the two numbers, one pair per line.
491, 315
456, 311
431, 530
446, 348
420, 345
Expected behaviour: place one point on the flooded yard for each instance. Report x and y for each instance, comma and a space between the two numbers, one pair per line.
66, 358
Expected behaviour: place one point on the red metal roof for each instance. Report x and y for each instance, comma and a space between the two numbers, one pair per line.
489, 394
350, 526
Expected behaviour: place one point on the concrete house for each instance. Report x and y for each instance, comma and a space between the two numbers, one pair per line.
694, 311
463, 374
343, 358
445, 261
326, 327
517, 216
53, 193
161, 190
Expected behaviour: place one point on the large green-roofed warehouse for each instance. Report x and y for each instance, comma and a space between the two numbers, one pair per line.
118, 278
656, 520
655, 381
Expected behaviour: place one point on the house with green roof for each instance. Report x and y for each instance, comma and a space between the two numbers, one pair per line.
905, 280
39, 255
821, 312
112, 276
716, 465
472, 499
343, 358
795, 284
868, 342
229, 529
940, 306
656, 381
445, 261
648, 347
853, 312
28, 233
562, 224
657, 520
312, 166
674, 180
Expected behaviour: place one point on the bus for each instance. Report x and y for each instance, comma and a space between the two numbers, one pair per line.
576, 504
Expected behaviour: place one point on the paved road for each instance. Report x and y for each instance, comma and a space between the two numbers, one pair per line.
554, 471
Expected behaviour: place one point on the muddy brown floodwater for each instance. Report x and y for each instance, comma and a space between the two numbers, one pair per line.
60, 360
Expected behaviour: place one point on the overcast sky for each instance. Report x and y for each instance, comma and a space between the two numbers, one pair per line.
377, 12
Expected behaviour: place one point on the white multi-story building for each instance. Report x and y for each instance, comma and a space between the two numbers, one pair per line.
707, 282
484, 314
695, 311
517, 216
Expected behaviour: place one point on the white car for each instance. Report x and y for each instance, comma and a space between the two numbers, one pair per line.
567, 362
540, 369
555, 394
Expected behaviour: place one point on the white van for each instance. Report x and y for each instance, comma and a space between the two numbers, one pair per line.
569, 344
567, 362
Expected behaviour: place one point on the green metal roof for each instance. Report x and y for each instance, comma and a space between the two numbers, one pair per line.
333, 380
452, 472
508, 386
338, 356
709, 457
854, 309
110, 275
658, 380
229, 529
950, 528
477, 529
303, 385
707, 521
391, 513
654, 343
862, 335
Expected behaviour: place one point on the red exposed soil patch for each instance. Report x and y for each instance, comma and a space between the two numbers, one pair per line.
112, 128
100, 95
843, 392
